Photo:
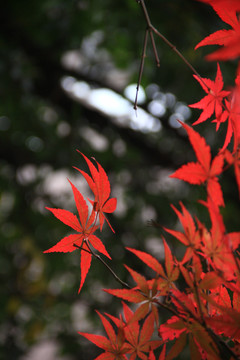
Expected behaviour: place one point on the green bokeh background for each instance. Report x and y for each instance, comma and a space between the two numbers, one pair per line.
41, 127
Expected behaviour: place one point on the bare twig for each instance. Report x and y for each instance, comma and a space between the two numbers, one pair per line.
141, 67
154, 48
151, 29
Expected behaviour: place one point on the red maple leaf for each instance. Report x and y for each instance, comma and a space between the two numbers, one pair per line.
144, 294
225, 317
190, 237
139, 340
165, 279
84, 227
227, 324
100, 187
233, 5
212, 102
187, 322
217, 249
115, 346
177, 328
203, 171
233, 114
228, 39
218, 245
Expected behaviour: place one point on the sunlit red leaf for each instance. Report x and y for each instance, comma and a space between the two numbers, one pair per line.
66, 217
202, 171
192, 173
210, 281
227, 324
115, 347
229, 39
141, 342
221, 298
84, 264
100, 187
190, 237
85, 233
125, 294
108, 328
212, 102
172, 329
98, 340
149, 260
214, 191
139, 279
66, 244
177, 347
80, 204
98, 245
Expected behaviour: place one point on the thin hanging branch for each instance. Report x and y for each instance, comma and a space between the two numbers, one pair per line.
151, 29
141, 67
154, 48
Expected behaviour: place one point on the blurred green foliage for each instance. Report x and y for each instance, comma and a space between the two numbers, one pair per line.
41, 125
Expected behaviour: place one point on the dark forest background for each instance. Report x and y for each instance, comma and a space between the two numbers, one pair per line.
67, 71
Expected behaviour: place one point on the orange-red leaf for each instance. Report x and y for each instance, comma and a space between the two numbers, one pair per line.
80, 204
66, 217
149, 260
210, 281
100, 186
202, 150
191, 172
229, 39
115, 347
125, 294
66, 244
84, 264
172, 329
139, 279
178, 347
203, 170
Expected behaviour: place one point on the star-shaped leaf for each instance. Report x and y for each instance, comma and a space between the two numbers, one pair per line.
213, 101
100, 186
228, 39
84, 226
204, 170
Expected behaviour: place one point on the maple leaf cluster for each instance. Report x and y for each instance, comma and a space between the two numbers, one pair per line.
86, 225
224, 104
199, 290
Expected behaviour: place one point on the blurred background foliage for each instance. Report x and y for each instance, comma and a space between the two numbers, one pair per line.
68, 73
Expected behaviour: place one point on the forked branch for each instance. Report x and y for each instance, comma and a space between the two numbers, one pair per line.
151, 29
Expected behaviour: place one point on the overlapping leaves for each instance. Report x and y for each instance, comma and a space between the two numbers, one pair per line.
85, 225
